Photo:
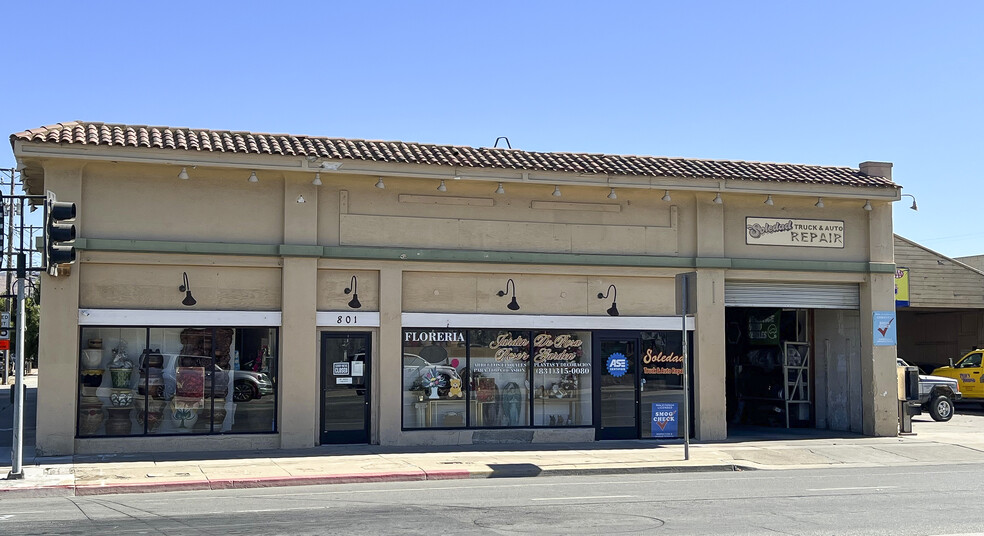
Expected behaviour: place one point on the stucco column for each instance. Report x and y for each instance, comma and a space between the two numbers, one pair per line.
298, 390
879, 406
58, 344
390, 354
710, 372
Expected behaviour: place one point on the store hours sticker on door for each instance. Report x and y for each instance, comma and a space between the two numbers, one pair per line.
617, 364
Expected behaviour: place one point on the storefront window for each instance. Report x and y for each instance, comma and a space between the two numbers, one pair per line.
434, 392
562, 378
661, 384
194, 380
499, 370
490, 372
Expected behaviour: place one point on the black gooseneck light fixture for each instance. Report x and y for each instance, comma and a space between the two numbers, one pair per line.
613, 310
513, 306
354, 290
186, 288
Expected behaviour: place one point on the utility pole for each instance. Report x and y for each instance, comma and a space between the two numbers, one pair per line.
65, 252
9, 242
17, 446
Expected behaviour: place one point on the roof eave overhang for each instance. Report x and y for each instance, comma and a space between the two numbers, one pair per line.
31, 155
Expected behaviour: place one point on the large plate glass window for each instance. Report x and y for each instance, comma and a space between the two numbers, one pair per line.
562, 378
499, 370
496, 378
177, 380
434, 393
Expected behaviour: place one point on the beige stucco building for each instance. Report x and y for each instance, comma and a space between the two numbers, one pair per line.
399, 293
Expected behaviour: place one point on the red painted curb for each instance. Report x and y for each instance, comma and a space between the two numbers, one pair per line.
141, 487
268, 482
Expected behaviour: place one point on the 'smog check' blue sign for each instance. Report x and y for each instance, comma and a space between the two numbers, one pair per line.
665, 417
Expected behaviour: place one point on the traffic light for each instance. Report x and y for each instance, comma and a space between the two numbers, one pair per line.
57, 233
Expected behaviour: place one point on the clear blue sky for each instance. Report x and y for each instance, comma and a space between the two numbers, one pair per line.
830, 83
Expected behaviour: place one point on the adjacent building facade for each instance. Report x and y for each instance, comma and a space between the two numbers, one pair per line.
238, 290
940, 305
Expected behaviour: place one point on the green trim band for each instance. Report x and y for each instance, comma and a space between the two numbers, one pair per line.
457, 255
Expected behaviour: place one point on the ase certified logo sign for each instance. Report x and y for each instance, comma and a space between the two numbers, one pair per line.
618, 364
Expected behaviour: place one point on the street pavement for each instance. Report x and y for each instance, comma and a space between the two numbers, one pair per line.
956, 442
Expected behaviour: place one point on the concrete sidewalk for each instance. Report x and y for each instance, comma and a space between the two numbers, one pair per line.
88, 475
956, 442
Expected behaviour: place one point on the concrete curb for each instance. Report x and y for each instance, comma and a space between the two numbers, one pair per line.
80, 490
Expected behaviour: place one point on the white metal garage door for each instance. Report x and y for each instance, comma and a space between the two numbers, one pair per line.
798, 295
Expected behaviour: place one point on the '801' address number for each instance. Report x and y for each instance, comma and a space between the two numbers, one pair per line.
347, 319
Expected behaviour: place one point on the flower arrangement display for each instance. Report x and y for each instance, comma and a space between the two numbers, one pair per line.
432, 380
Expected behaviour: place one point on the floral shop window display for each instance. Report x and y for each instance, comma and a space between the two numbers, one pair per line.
505, 378
433, 387
499, 369
562, 378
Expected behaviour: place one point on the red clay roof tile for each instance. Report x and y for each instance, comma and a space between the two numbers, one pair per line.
174, 138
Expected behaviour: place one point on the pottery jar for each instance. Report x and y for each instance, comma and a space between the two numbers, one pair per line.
121, 397
184, 417
92, 377
121, 376
90, 419
91, 359
119, 421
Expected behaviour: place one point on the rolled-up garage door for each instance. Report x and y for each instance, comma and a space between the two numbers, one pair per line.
793, 295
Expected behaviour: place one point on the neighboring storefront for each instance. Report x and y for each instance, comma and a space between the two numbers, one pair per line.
940, 304
239, 290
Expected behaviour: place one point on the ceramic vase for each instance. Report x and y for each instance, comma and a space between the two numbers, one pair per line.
90, 419
121, 376
91, 358
434, 392
216, 415
92, 377
184, 417
121, 397
119, 421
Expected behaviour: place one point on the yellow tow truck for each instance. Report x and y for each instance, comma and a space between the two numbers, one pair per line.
968, 373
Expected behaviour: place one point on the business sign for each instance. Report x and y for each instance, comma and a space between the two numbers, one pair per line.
340, 369
4, 320
901, 287
790, 232
883, 333
763, 327
664, 421
617, 364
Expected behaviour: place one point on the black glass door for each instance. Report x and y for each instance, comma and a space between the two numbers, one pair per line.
616, 376
345, 397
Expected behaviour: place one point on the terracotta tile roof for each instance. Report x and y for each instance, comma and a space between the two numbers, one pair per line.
80, 132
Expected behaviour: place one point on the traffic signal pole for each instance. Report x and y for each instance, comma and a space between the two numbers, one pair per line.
17, 445
61, 253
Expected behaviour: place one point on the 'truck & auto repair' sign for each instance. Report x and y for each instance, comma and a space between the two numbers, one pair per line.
790, 232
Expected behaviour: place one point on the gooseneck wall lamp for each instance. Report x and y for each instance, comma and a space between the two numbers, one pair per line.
354, 290
513, 306
186, 288
613, 310
914, 206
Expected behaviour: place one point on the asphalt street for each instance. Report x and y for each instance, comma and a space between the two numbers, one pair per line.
918, 500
